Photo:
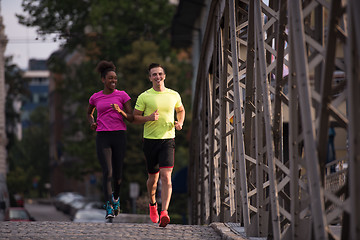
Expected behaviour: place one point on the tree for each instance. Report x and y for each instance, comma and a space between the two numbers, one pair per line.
104, 28
29, 158
132, 34
78, 139
3, 139
133, 77
16, 91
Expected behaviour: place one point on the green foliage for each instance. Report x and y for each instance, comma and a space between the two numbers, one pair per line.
18, 180
105, 28
78, 85
16, 90
62, 17
29, 158
133, 78
178, 209
132, 34
82, 81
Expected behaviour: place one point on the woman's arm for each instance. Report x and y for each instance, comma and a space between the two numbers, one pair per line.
127, 114
90, 117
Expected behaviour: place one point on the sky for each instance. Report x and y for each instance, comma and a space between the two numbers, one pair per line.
22, 43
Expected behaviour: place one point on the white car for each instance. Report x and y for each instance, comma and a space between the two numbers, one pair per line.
90, 215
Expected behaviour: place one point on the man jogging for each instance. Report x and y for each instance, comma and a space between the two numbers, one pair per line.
155, 107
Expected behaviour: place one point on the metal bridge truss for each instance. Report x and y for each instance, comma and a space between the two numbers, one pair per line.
265, 99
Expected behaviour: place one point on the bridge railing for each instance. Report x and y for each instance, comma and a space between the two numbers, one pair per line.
265, 98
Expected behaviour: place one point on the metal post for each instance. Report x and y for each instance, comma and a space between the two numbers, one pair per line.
353, 76
301, 70
237, 116
248, 155
267, 119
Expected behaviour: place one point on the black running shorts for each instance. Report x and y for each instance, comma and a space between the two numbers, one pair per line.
159, 153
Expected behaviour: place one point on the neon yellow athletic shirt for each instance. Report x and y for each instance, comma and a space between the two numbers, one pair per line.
166, 102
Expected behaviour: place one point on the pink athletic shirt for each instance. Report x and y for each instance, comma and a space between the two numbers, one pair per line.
109, 119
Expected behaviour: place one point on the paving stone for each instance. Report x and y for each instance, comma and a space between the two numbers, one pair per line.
70, 230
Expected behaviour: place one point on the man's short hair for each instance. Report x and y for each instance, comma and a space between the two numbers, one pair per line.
155, 65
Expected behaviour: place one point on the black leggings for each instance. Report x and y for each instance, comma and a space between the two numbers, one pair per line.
110, 148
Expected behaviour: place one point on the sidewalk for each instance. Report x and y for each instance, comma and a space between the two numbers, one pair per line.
232, 231
94, 231
43, 211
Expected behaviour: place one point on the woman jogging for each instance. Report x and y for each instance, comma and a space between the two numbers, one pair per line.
112, 107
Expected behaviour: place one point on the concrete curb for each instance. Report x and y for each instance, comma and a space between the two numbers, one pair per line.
43, 201
225, 232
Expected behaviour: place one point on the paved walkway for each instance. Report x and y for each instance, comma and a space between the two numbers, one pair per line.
70, 230
135, 231
52, 224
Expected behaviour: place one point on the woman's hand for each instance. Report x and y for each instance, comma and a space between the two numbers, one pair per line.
128, 115
90, 117
93, 126
117, 108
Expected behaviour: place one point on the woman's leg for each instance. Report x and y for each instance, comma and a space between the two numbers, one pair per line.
118, 155
104, 156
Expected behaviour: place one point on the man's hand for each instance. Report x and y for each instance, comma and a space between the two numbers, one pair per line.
180, 116
178, 126
154, 116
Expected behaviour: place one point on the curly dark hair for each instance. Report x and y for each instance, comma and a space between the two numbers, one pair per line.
104, 67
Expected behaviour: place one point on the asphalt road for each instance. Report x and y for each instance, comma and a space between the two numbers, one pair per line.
45, 212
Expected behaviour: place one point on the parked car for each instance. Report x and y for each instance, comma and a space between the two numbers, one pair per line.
63, 200
58, 200
17, 214
90, 215
94, 204
84, 203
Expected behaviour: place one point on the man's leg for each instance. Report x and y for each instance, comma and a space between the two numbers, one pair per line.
166, 190
166, 187
151, 186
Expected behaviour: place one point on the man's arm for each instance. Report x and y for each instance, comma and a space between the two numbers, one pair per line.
140, 119
180, 116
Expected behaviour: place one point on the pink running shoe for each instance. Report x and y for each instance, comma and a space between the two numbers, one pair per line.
154, 215
164, 218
